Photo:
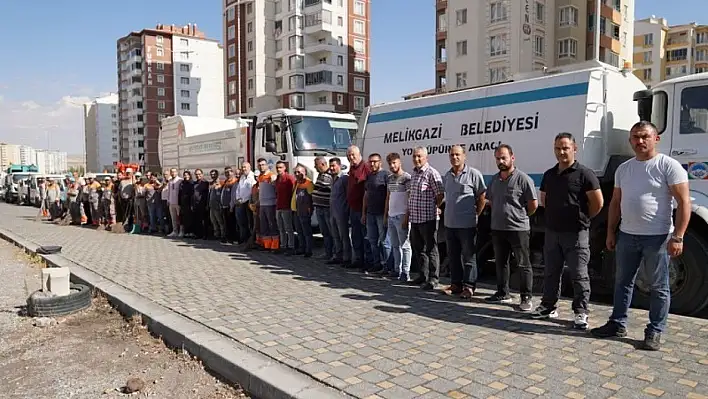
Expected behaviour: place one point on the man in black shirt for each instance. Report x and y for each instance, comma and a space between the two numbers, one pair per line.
571, 195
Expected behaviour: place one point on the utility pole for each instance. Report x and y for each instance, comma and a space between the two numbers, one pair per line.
596, 46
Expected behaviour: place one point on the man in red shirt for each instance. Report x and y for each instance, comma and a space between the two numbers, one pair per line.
284, 187
359, 171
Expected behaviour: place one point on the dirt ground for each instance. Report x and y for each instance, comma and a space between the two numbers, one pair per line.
91, 354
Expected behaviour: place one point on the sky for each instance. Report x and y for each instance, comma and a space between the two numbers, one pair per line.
63, 53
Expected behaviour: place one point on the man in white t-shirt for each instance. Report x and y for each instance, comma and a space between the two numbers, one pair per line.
396, 206
644, 188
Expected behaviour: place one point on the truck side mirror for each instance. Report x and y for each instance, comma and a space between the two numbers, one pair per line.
270, 146
644, 99
269, 130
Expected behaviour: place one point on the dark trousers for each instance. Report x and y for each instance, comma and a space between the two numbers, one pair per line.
244, 220
571, 249
461, 250
506, 242
186, 217
200, 220
424, 243
229, 225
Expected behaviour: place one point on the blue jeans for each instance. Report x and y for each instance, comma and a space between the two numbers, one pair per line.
358, 235
631, 249
155, 215
387, 259
340, 234
303, 225
324, 220
400, 246
376, 234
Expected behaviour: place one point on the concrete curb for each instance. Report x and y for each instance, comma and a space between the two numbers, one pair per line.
261, 376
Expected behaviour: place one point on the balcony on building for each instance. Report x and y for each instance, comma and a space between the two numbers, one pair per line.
320, 102
323, 46
702, 36
677, 40
440, 5
318, 21
441, 59
321, 81
441, 28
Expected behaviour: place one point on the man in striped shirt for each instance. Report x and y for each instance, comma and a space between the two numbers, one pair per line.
426, 195
320, 201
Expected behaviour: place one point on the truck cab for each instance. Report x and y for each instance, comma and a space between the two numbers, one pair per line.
298, 137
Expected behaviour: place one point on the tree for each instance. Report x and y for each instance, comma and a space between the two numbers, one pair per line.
80, 170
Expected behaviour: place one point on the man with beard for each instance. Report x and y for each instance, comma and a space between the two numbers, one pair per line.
571, 196
512, 197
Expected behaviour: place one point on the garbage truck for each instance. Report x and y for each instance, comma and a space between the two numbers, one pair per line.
598, 104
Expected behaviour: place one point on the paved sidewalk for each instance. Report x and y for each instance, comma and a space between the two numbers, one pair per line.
371, 338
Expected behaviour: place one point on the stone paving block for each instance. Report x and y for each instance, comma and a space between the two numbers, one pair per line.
371, 337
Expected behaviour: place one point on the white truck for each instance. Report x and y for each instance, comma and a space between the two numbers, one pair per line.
595, 102
190, 142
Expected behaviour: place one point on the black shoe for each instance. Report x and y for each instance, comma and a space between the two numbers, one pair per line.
429, 286
609, 330
652, 341
308, 254
417, 281
373, 270
499, 298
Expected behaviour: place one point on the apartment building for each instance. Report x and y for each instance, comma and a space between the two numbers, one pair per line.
9, 155
486, 42
162, 72
101, 133
51, 162
662, 51
303, 54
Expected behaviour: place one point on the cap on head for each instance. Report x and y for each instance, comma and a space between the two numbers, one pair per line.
129, 170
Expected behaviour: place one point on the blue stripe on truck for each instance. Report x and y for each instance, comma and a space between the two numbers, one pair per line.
575, 89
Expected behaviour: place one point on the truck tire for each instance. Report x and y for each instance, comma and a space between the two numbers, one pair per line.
78, 299
688, 278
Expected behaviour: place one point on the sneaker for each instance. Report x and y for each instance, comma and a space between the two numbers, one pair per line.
405, 278
542, 312
499, 298
453, 289
172, 235
652, 341
580, 321
429, 286
526, 304
609, 330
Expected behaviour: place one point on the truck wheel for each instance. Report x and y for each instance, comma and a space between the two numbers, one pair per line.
687, 278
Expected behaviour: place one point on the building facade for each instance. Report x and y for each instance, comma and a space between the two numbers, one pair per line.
303, 54
101, 133
51, 162
663, 52
9, 155
163, 72
487, 42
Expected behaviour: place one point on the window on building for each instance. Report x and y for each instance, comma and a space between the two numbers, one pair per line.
340, 80
461, 79
360, 8
231, 33
540, 12
249, 8
160, 78
568, 16
160, 66
232, 51
184, 81
249, 65
232, 88
359, 65
498, 12
296, 101
612, 58
461, 48
359, 27
647, 57
340, 21
232, 69
296, 82
498, 75
702, 55
340, 99
340, 41
359, 103
497, 45
649, 39
184, 106
160, 91
249, 45
340, 60
296, 62
184, 67
184, 42
567, 48
359, 84
249, 27
278, 83
250, 102
160, 52
184, 93
359, 46
461, 16
250, 84
160, 105
231, 14
677, 55
539, 47
159, 39
184, 55
647, 74
232, 106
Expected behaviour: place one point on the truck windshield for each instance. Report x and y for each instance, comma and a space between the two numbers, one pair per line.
312, 133
16, 178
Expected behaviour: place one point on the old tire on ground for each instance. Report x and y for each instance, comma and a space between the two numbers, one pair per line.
78, 299
688, 278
